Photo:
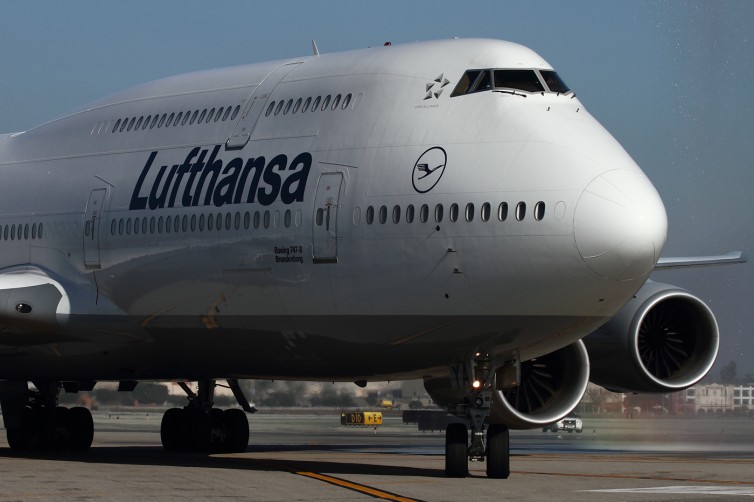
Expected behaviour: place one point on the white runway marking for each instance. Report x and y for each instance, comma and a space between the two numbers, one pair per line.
685, 490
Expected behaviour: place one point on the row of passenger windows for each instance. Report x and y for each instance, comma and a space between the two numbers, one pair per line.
454, 213
202, 222
328, 102
173, 119
21, 231
229, 221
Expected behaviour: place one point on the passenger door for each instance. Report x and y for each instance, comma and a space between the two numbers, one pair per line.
325, 220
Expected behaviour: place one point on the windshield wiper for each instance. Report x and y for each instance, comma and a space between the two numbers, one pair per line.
511, 92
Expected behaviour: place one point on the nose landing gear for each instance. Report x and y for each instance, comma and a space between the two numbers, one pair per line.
490, 443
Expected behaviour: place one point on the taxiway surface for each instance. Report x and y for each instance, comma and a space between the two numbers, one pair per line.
311, 456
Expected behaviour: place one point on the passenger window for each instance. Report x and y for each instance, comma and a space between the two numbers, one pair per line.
370, 215
424, 213
539, 211
335, 102
410, 214
210, 222
320, 218
383, 214
256, 219
438, 213
346, 101
306, 105
326, 102
502, 211
235, 112
246, 220
266, 219
297, 105
201, 222
396, 214
453, 212
288, 106
521, 211
486, 208
469, 212
287, 218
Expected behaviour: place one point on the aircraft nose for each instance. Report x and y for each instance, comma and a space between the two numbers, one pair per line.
620, 225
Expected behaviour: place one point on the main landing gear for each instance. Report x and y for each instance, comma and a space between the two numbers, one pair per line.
33, 421
489, 442
198, 427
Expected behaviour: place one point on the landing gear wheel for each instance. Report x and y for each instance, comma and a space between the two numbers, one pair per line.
498, 452
172, 430
80, 428
456, 451
237, 439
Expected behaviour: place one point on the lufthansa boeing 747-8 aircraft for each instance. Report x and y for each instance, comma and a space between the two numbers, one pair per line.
444, 210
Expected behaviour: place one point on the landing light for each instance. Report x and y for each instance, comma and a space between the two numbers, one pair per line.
477, 384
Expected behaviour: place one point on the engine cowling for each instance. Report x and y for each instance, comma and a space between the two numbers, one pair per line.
663, 340
550, 387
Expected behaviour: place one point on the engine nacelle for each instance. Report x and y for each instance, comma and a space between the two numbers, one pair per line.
663, 340
551, 386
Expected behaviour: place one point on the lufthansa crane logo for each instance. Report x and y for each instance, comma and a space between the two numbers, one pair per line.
429, 169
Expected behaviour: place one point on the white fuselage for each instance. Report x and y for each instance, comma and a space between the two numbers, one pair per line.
395, 231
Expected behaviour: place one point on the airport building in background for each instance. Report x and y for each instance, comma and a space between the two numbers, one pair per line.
699, 400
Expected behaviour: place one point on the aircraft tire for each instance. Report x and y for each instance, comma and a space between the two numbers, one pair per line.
172, 429
498, 452
237, 424
17, 438
80, 428
199, 437
456, 451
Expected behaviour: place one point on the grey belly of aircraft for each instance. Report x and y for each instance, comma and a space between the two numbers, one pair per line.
292, 347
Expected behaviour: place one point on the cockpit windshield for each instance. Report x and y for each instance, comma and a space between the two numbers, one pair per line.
540, 81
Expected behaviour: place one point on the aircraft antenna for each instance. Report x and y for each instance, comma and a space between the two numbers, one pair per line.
315, 50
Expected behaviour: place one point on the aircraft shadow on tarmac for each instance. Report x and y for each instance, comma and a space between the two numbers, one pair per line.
156, 456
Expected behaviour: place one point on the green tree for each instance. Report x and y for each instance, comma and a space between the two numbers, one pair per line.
728, 373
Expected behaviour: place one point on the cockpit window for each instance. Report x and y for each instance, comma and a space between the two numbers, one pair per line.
466, 84
517, 80
524, 80
554, 82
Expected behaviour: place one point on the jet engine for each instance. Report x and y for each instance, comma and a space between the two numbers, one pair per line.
550, 387
663, 340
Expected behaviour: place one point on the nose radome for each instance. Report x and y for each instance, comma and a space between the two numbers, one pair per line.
620, 225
